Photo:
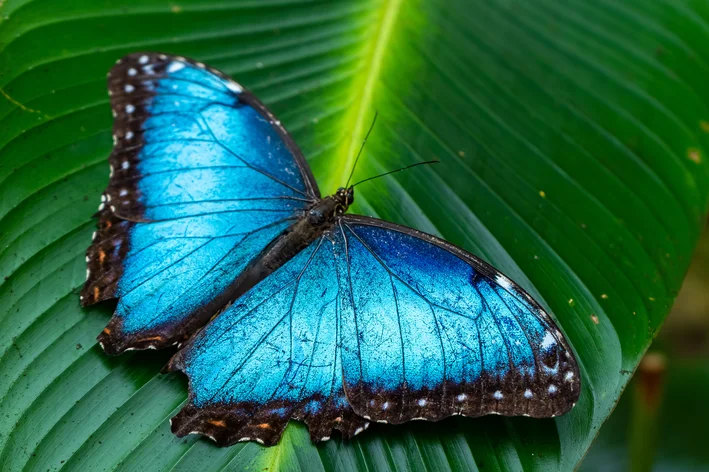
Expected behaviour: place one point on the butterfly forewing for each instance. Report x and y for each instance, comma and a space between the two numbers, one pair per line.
203, 178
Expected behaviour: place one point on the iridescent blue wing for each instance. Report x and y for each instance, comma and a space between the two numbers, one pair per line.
273, 355
373, 322
203, 178
428, 331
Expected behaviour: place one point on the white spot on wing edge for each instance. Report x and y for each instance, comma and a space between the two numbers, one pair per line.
325, 438
143, 59
358, 430
503, 282
548, 341
234, 87
203, 434
175, 66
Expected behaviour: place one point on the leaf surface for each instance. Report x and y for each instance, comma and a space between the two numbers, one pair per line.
572, 137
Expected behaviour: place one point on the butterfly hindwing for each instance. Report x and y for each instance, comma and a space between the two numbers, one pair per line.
373, 321
203, 178
430, 331
272, 356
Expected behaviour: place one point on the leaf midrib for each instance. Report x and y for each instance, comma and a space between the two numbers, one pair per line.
363, 94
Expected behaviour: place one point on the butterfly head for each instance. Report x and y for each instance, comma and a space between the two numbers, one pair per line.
345, 197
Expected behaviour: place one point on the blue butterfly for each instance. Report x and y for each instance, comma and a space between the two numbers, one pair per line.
212, 235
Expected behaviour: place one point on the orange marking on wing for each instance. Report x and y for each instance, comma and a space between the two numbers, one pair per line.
101, 257
106, 330
108, 224
263, 425
152, 338
96, 292
219, 423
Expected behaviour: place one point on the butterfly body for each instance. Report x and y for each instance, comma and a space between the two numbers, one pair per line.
213, 236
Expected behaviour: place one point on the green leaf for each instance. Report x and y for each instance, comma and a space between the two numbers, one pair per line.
681, 441
573, 139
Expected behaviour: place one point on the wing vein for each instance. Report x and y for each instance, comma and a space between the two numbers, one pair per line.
354, 308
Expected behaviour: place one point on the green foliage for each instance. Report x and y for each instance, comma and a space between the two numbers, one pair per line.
573, 140
682, 427
678, 426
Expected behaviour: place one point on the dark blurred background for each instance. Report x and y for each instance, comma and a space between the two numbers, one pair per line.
662, 420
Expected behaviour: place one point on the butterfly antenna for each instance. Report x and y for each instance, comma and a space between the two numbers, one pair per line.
394, 171
354, 166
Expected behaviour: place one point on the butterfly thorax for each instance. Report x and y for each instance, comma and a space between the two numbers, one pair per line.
316, 220
323, 214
